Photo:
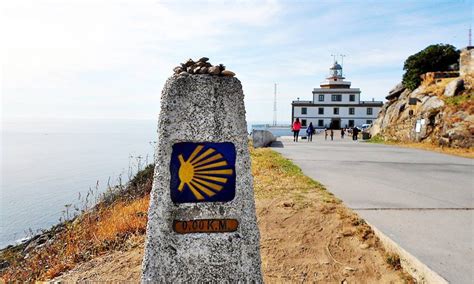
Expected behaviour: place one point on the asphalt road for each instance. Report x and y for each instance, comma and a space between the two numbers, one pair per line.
422, 200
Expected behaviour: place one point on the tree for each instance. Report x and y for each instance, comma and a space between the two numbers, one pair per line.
436, 57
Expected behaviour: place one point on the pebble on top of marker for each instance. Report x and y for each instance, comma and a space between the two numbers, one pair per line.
202, 66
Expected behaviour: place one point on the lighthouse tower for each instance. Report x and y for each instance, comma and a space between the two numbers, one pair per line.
335, 80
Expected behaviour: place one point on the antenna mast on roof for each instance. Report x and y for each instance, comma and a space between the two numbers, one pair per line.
275, 106
470, 36
342, 63
334, 57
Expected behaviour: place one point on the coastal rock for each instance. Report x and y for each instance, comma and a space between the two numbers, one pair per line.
396, 91
431, 104
4, 264
262, 138
439, 122
454, 87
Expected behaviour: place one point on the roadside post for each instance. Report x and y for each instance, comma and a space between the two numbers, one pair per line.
201, 223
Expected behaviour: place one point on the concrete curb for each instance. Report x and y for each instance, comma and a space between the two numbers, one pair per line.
412, 265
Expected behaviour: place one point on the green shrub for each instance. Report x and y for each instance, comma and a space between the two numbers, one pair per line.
458, 100
436, 57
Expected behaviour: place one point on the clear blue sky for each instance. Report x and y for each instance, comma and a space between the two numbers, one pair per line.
110, 59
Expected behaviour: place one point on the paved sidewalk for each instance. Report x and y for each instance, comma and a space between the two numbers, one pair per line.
422, 200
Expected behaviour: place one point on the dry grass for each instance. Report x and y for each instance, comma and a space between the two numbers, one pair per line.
463, 101
437, 88
274, 174
90, 236
122, 218
460, 152
108, 226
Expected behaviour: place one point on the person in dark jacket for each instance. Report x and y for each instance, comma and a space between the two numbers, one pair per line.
296, 127
310, 131
332, 134
355, 132
343, 132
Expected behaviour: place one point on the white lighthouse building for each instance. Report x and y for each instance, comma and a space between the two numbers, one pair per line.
335, 104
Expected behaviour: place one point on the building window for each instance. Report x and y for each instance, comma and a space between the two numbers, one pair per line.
321, 98
304, 110
320, 123
351, 111
351, 123
321, 110
303, 122
336, 110
368, 121
352, 98
336, 98
369, 111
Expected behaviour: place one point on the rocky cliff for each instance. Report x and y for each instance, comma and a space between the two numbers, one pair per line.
439, 111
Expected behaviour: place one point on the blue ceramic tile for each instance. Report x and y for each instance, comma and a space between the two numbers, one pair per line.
202, 172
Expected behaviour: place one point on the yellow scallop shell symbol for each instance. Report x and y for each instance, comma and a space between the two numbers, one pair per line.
200, 173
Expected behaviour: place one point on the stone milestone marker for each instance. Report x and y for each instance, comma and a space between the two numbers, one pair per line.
201, 223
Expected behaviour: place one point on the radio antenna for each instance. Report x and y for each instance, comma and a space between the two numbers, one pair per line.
275, 105
342, 63
470, 36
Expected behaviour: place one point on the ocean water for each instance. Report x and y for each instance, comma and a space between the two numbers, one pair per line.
45, 165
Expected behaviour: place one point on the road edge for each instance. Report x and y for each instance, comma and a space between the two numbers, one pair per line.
412, 265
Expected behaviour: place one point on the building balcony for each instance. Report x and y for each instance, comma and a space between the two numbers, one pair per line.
301, 102
368, 103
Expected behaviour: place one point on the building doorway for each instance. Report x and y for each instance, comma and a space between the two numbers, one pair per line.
335, 123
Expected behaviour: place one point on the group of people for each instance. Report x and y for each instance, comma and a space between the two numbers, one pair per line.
354, 131
296, 127
310, 130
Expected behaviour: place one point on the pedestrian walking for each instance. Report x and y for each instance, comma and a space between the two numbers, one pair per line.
296, 127
355, 132
325, 134
332, 135
310, 131
343, 132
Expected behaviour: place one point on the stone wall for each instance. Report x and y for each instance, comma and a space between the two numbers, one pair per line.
466, 62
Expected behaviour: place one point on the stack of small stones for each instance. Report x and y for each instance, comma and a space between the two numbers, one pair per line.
202, 66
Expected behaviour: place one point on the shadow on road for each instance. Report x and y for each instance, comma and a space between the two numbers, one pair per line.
276, 144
